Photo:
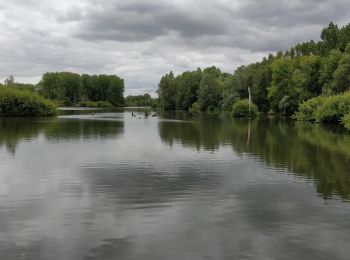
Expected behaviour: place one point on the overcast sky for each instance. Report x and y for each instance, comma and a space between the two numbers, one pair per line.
140, 40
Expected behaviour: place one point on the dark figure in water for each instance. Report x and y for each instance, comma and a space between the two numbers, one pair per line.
132, 114
92, 113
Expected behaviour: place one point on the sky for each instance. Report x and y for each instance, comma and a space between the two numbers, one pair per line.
141, 40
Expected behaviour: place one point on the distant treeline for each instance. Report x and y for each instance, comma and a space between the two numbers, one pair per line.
140, 101
69, 88
279, 83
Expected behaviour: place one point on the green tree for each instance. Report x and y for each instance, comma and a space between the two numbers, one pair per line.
344, 37
342, 75
306, 76
329, 35
187, 88
329, 65
167, 91
71, 83
115, 91
209, 95
282, 85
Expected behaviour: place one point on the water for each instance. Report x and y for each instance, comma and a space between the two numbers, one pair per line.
112, 186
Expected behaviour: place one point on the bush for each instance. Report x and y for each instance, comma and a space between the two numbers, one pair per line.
104, 104
16, 102
334, 108
241, 109
329, 110
195, 108
307, 110
325, 109
346, 121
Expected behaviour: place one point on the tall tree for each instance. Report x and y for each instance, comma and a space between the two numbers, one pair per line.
209, 95
342, 75
167, 91
282, 86
329, 35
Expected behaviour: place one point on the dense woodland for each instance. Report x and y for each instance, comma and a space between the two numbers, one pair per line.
279, 84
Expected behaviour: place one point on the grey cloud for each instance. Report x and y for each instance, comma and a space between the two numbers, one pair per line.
138, 21
257, 25
141, 40
285, 13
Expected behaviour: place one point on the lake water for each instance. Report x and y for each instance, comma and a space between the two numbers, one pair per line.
111, 186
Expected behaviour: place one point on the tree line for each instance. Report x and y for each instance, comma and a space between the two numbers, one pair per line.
73, 89
60, 89
140, 101
279, 83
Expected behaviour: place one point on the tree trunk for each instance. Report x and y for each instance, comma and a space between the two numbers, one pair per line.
250, 97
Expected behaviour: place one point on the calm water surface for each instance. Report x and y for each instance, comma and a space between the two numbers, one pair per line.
112, 186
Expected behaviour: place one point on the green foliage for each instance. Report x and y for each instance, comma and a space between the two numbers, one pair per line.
139, 101
346, 121
306, 76
87, 104
104, 104
209, 89
325, 109
329, 35
187, 86
195, 108
94, 104
342, 75
242, 108
282, 85
333, 108
167, 91
307, 109
329, 65
71, 88
16, 102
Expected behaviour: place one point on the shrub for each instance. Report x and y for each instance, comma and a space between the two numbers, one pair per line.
307, 110
195, 108
241, 109
104, 104
346, 121
325, 109
333, 108
16, 102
